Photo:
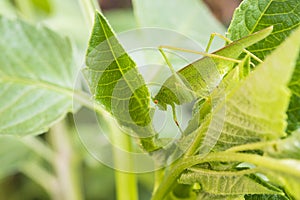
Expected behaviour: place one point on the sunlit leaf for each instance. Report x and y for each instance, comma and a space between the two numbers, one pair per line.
289, 182
284, 15
294, 107
255, 109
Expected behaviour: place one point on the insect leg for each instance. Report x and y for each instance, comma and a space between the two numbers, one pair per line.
244, 67
175, 118
198, 52
174, 73
167, 60
213, 35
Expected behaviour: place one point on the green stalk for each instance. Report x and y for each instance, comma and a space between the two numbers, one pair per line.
159, 175
66, 162
252, 146
126, 182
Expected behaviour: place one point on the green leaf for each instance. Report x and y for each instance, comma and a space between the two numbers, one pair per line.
286, 148
13, 154
228, 183
185, 17
265, 197
288, 181
294, 107
255, 109
36, 78
208, 196
284, 15
254, 15
116, 83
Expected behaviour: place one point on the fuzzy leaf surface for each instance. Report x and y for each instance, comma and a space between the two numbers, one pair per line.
255, 109
228, 183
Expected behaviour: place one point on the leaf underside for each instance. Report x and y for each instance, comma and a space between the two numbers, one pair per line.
36, 78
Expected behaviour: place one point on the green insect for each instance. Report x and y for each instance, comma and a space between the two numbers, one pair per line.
198, 79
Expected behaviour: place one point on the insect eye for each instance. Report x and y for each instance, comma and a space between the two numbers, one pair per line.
155, 101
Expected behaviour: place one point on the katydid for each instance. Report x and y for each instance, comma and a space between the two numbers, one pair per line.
199, 78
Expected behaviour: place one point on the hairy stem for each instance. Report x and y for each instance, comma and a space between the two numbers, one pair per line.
251, 146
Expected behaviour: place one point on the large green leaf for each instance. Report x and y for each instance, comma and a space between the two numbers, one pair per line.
254, 15
116, 83
255, 109
284, 15
228, 183
36, 78
191, 18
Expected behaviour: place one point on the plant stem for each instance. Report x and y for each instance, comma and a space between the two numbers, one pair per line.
66, 163
126, 183
126, 186
252, 146
159, 175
